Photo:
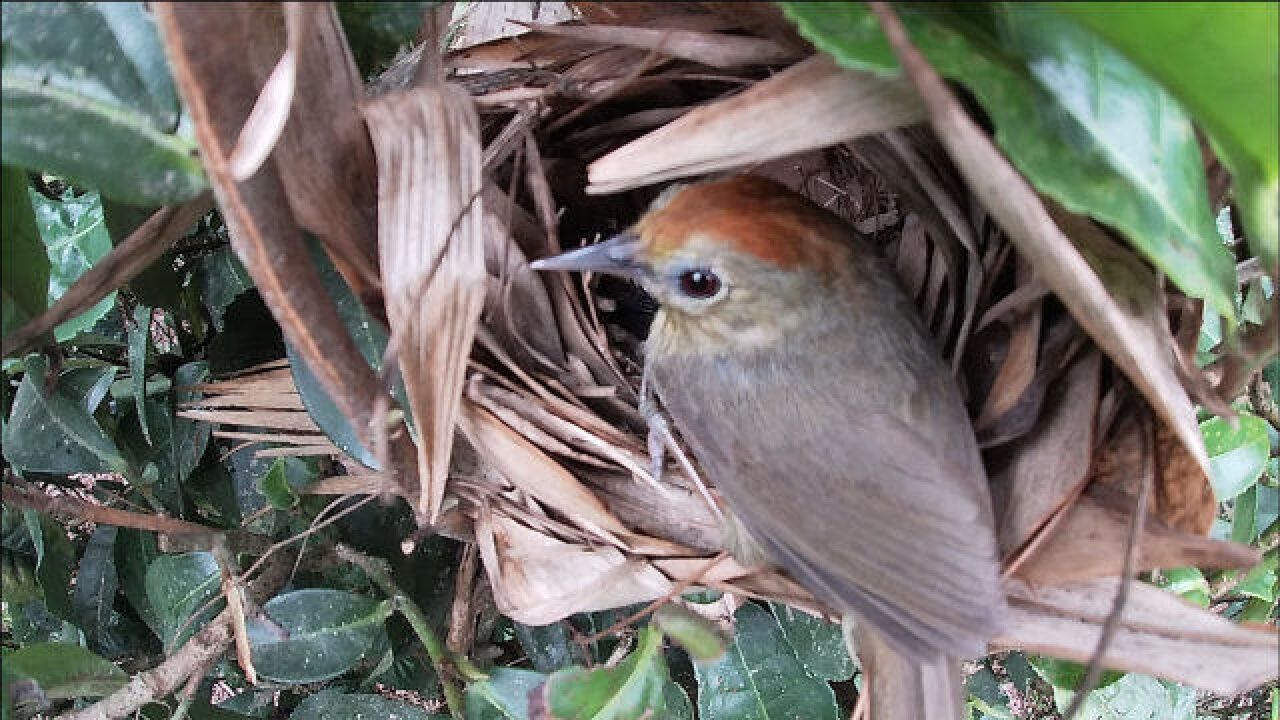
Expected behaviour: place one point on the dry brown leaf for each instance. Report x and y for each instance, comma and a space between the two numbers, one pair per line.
1183, 499
714, 49
1048, 466
1089, 541
810, 105
538, 580
1159, 634
528, 468
431, 246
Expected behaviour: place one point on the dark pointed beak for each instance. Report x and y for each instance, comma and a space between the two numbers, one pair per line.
619, 255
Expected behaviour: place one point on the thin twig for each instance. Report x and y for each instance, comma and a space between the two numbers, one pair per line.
29, 497
378, 570
1112, 623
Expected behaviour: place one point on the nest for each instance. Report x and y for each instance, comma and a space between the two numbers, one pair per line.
524, 387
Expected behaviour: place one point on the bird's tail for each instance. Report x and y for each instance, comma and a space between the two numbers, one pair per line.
905, 688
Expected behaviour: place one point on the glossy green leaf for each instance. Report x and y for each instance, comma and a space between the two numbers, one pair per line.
548, 647
190, 437
819, 644
760, 677
332, 705
275, 485
65, 671
371, 339
94, 595
177, 587
51, 432
24, 272
86, 94
325, 633
504, 695
135, 551
1237, 456
75, 237
1085, 125
1066, 675
634, 688
1135, 697
1260, 581
169, 467
1189, 583
139, 343
221, 278
90, 384
55, 558
986, 695
1219, 60
1244, 516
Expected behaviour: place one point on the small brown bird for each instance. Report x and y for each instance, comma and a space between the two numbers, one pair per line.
804, 381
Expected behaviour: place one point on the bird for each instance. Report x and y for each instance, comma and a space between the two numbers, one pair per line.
811, 394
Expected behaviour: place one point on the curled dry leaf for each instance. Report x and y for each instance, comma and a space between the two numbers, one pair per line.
1048, 466
1159, 634
810, 105
430, 239
538, 579
714, 49
1084, 544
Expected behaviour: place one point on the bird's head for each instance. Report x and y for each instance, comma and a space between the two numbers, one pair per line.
735, 262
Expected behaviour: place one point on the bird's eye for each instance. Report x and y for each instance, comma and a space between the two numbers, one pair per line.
699, 283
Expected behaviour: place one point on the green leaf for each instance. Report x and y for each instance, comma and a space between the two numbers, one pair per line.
55, 558
275, 485
1237, 456
1066, 675
504, 695
90, 384
548, 647
819, 644
325, 633
75, 237
65, 671
1135, 697
1188, 583
51, 432
1260, 582
377, 31
86, 94
1218, 59
94, 594
1085, 125
24, 272
634, 688
190, 437
333, 705
699, 636
986, 695
221, 279
163, 455
760, 677
1244, 516
178, 586
371, 339
139, 342
135, 551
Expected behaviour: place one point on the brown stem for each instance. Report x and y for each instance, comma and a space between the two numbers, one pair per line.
29, 497
143, 247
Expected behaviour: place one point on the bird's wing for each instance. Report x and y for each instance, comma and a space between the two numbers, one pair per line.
871, 513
